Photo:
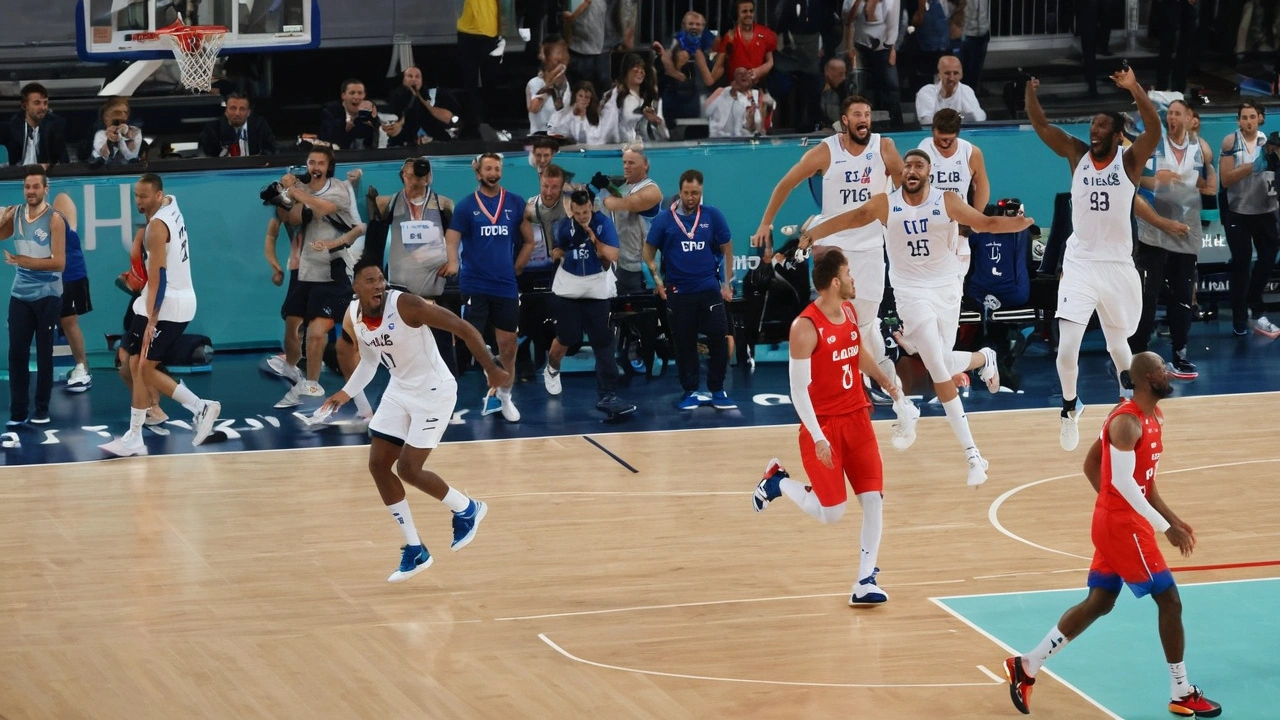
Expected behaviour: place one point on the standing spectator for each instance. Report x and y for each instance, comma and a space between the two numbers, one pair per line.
39, 240
1178, 21
586, 121
634, 206
684, 68
747, 45
115, 141
932, 38
1093, 25
425, 113
973, 46
873, 34
35, 135
350, 123
75, 297
588, 59
948, 92
238, 132
1249, 218
695, 245
835, 88
541, 154
548, 92
739, 110
543, 212
808, 30
635, 105
479, 39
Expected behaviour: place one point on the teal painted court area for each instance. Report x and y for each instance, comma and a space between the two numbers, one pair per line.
1232, 630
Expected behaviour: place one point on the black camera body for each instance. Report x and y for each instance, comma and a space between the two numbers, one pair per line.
274, 194
1005, 207
301, 173
421, 167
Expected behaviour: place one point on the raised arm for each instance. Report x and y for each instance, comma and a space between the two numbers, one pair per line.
892, 160
811, 163
1062, 144
960, 211
1140, 151
877, 208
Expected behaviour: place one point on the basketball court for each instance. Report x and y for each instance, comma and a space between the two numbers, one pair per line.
622, 575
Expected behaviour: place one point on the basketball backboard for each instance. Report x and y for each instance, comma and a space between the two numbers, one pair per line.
105, 28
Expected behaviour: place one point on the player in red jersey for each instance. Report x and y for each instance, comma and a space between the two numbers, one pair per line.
1121, 466
836, 437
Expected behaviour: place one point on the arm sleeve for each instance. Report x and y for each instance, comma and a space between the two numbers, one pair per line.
801, 375
363, 374
1123, 463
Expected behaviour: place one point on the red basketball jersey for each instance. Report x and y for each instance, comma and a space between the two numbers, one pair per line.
1148, 457
836, 387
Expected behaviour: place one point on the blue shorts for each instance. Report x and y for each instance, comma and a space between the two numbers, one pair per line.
1110, 582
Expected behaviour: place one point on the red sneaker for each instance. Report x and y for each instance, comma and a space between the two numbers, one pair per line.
1195, 704
1020, 685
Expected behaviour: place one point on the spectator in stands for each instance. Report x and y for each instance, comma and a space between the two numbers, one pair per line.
115, 141
35, 135
948, 92
585, 121
1249, 218
542, 153
1093, 25
1178, 20
350, 124
588, 55
425, 114
739, 110
479, 47
748, 46
930, 41
872, 30
807, 31
684, 67
636, 107
835, 88
973, 46
238, 132
548, 92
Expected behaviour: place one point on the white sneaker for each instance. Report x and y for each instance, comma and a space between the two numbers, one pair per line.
509, 411
302, 389
1069, 435
1266, 328
904, 430
203, 421
990, 374
551, 378
126, 445
869, 594
977, 468
277, 365
79, 379
155, 416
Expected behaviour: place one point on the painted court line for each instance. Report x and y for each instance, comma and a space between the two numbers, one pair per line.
658, 673
608, 452
620, 493
991, 675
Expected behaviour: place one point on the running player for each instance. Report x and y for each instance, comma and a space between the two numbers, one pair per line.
1128, 513
837, 441
1097, 268
393, 329
919, 238
161, 314
855, 166
75, 298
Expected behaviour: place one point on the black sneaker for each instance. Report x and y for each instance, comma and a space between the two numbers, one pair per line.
614, 406
40, 418
1182, 368
1240, 329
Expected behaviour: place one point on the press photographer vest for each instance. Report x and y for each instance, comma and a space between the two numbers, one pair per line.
416, 251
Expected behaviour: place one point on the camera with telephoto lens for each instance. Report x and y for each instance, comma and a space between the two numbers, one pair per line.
600, 181
301, 172
1006, 207
274, 194
421, 167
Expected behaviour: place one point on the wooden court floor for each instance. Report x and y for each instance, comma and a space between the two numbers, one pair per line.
253, 585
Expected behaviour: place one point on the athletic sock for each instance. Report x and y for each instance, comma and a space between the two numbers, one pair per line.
1048, 647
400, 511
362, 404
136, 419
183, 396
1178, 685
959, 422
456, 501
872, 523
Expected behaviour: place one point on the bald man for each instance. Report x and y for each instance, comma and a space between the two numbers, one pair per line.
948, 92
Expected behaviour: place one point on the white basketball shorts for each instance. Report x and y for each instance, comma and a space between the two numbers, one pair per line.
1113, 289
930, 321
417, 419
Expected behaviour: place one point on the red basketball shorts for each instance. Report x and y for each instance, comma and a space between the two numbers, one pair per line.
854, 453
1125, 550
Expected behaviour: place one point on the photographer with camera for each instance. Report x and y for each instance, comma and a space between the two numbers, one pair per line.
426, 113
634, 205
116, 142
350, 123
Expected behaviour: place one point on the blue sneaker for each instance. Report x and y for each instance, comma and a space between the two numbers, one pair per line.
770, 486
465, 524
413, 560
866, 592
720, 400
690, 401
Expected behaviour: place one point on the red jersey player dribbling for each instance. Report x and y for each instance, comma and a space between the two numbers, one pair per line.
836, 437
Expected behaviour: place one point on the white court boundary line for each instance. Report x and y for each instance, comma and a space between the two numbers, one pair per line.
993, 514
750, 681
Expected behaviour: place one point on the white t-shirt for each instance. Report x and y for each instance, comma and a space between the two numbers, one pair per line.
539, 121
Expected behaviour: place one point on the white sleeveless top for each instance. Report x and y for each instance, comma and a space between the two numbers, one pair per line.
849, 182
178, 303
1101, 212
409, 353
918, 239
954, 173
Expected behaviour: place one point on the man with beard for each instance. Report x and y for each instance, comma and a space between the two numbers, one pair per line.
855, 166
394, 329
922, 267
1097, 267
837, 442
1129, 511
485, 226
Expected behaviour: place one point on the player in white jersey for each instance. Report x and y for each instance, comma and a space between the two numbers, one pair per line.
919, 239
855, 166
162, 311
393, 329
1097, 267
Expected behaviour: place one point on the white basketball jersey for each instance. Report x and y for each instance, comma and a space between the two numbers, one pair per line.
409, 353
849, 182
178, 303
1101, 212
918, 239
952, 174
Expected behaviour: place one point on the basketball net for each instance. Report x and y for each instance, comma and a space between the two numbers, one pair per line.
195, 47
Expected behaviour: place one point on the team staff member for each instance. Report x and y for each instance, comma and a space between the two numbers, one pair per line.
634, 206
75, 297
694, 241
481, 246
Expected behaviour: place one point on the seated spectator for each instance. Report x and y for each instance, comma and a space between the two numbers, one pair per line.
425, 114
835, 88
237, 132
747, 45
948, 92
684, 66
548, 92
585, 121
636, 107
35, 135
114, 141
345, 124
739, 110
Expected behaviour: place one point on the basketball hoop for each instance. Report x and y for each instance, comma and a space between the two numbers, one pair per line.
195, 47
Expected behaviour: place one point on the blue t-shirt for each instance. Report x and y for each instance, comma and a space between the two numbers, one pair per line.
691, 264
75, 268
487, 250
580, 257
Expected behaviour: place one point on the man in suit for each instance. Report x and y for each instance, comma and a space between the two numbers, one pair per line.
35, 135
238, 132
